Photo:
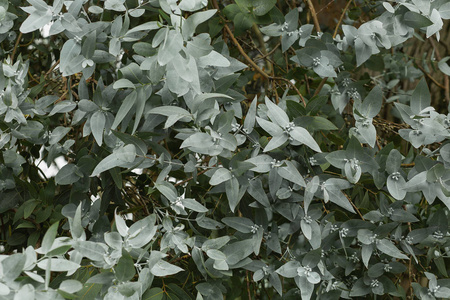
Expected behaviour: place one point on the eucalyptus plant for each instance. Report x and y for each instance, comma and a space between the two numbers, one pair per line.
223, 150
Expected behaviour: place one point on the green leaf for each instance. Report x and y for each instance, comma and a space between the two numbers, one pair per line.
28, 207
276, 114
400, 215
92, 250
289, 269
237, 251
241, 224
163, 268
393, 161
389, 248
443, 65
62, 107
444, 11
395, 185
196, 19
363, 51
416, 20
58, 134
76, 227
70, 286
290, 172
232, 192
122, 155
221, 175
88, 47
125, 269
192, 204
372, 103
302, 135
116, 26
262, 7
58, 265
123, 83
4, 289
420, 98
142, 232
250, 118
49, 238
276, 142
256, 190
215, 243
98, 122
271, 128
126, 106
173, 113
168, 190
68, 174
36, 20
144, 49
337, 197
312, 258
359, 289
12, 266
71, 60
242, 22
116, 5
313, 106
155, 293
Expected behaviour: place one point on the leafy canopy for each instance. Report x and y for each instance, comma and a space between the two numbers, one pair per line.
244, 149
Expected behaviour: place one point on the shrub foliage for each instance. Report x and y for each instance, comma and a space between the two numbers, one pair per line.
223, 150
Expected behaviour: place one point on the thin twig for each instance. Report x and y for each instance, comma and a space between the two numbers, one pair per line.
319, 88
270, 52
325, 7
322, 83
16, 45
446, 79
430, 77
248, 286
52, 67
354, 206
292, 85
341, 18
190, 178
262, 46
411, 165
313, 15
252, 63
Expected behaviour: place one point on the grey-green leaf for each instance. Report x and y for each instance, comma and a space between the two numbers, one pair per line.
68, 174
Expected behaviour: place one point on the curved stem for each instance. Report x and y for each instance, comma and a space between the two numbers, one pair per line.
16, 45
313, 15
341, 18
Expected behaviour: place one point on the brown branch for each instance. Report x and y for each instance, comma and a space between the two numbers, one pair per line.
325, 7
16, 45
313, 15
52, 68
251, 62
190, 178
430, 77
319, 88
411, 165
292, 85
248, 285
262, 46
322, 83
341, 18
354, 206
446, 79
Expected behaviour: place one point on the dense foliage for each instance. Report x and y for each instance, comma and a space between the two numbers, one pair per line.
240, 149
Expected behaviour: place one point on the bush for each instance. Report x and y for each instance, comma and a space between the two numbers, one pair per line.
247, 150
